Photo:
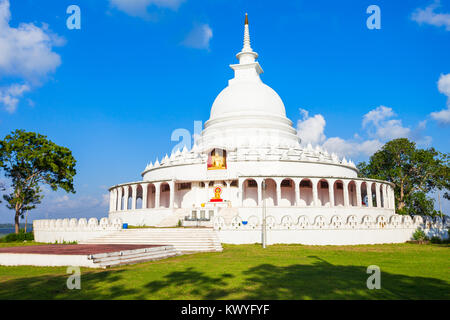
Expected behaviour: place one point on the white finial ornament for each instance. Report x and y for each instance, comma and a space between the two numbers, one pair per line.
247, 55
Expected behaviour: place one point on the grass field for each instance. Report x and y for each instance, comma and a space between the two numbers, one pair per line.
408, 271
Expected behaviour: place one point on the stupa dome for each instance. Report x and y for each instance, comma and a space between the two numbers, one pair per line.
248, 97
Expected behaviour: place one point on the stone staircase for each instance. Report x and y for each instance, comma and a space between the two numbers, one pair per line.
111, 259
184, 240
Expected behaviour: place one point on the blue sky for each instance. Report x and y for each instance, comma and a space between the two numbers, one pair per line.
115, 90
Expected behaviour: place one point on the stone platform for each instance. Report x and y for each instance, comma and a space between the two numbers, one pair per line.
84, 255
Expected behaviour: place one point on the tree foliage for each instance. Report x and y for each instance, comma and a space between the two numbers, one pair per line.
29, 160
415, 172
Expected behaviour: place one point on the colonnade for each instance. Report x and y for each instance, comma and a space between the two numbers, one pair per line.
278, 192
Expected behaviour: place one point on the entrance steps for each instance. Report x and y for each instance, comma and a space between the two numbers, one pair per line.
184, 240
111, 259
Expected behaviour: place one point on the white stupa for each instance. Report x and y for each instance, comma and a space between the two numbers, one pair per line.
248, 157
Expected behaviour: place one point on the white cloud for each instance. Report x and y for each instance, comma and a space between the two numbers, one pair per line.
443, 116
59, 205
429, 16
378, 125
377, 115
199, 37
311, 129
138, 8
10, 95
26, 52
351, 148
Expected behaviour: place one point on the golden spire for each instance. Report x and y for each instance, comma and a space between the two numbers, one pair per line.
246, 18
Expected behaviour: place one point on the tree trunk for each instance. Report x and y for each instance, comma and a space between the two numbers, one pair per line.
16, 220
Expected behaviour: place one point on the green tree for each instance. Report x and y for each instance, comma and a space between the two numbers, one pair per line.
30, 160
415, 172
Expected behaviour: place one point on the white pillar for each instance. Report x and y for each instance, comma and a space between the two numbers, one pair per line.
331, 191
207, 193
385, 196
228, 190
157, 194
259, 185
133, 196
144, 195
111, 200
241, 192
391, 191
297, 192
346, 194
369, 194
315, 192
278, 187
127, 194
172, 193
358, 194
377, 194
119, 202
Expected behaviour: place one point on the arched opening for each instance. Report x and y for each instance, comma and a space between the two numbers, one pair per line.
306, 193
270, 194
287, 193
122, 201
250, 195
164, 195
364, 200
129, 200
382, 195
323, 193
373, 188
151, 193
352, 198
182, 189
139, 197
338, 190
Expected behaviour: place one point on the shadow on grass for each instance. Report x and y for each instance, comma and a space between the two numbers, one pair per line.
94, 285
319, 280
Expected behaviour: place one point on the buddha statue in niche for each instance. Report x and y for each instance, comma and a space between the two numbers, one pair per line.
217, 160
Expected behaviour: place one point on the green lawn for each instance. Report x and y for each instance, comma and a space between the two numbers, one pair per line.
408, 271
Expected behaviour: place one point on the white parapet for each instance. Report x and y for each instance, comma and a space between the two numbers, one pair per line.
71, 230
322, 230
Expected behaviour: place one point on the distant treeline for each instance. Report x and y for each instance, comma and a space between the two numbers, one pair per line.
11, 225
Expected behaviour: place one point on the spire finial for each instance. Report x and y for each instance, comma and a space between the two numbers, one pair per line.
247, 47
247, 55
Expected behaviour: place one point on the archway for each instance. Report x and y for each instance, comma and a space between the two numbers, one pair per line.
139, 197
151, 193
270, 194
287, 193
250, 193
306, 193
373, 188
364, 198
338, 189
323, 192
164, 201
352, 198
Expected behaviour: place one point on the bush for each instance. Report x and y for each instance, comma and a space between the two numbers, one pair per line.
435, 239
22, 236
419, 235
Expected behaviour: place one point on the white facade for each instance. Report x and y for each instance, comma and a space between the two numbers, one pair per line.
250, 150
248, 124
